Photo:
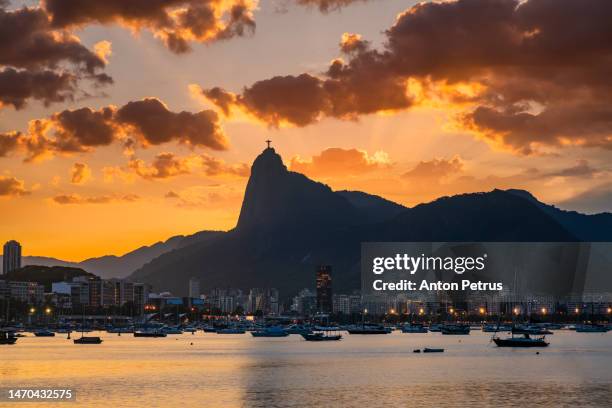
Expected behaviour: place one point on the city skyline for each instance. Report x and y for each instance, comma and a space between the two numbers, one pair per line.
87, 160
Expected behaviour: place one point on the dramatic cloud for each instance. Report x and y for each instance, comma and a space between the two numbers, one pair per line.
41, 62
527, 74
166, 165
145, 122
9, 142
80, 173
335, 161
434, 171
10, 186
151, 120
18, 86
176, 22
103, 199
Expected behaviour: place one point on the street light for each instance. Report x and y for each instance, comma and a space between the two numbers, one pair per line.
48, 310
451, 310
543, 310
481, 310
421, 311
517, 311
32, 310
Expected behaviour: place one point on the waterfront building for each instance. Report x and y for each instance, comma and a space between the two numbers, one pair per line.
324, 289
11, 257
27, 292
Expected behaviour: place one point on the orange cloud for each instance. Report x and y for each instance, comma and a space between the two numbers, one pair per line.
534, 76
80, 173
42, 62
177, 23
148, 121
333, 162
102, 199
11, 186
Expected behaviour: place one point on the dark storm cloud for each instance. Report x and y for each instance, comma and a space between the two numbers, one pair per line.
176, 22
539, 71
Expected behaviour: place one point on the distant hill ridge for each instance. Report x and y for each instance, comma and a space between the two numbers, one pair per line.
112, 266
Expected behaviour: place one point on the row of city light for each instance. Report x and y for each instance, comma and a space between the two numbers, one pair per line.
482, 311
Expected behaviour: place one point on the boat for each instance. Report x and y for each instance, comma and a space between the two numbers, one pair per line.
326, 328
7, 337
149, 333
44, 333
190, 329
534, 330
492, 328
433, 350
369, 329
525, 341
120, 330
274, 331
435, 328
455, 329
591, 328
320, 336
88, 340
172, 330
231, 330
413, 328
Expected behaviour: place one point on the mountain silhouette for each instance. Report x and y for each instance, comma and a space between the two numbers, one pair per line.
288, 224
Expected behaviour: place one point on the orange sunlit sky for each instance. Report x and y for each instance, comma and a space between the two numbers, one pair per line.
123, 126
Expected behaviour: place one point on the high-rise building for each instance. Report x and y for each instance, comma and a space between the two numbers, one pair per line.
324, 289
11, 257
194, 288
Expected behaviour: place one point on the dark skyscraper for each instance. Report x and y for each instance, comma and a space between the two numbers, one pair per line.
11, 257
324, 289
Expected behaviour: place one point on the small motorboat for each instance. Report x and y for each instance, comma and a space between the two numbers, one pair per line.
525, 341
7, 337
275, 331
455, 329
414, 328
88, 340
149, 333
320, 336
369, 329
433, 350
44, 333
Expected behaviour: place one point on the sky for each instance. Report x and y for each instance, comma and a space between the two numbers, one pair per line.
122, 126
